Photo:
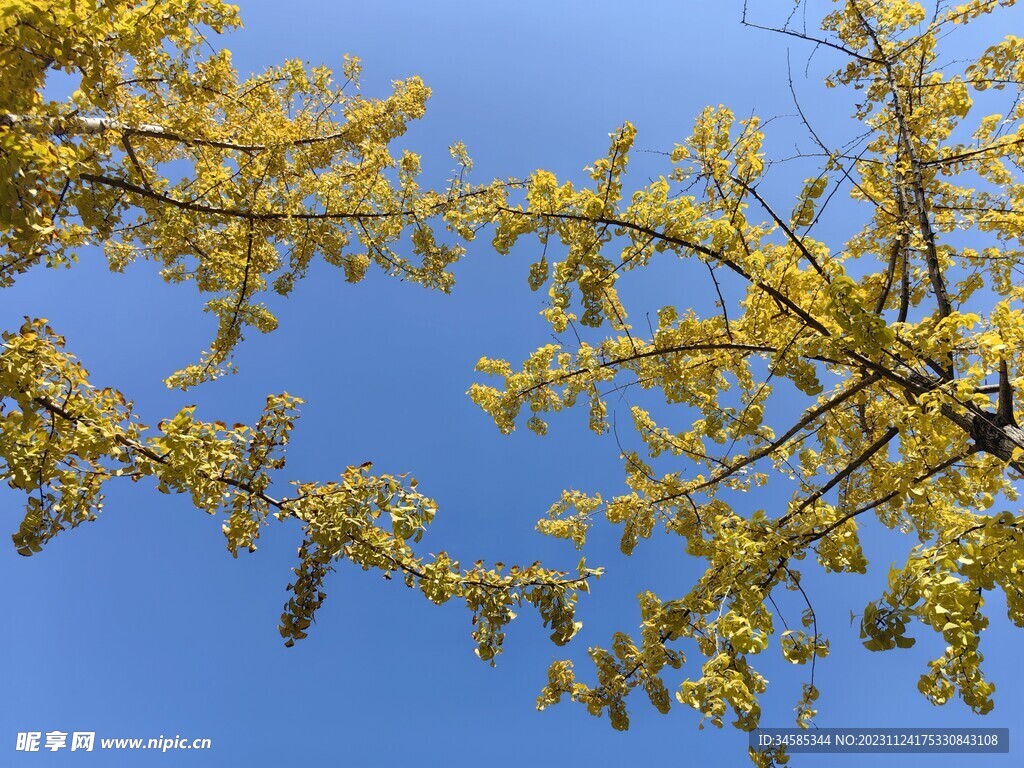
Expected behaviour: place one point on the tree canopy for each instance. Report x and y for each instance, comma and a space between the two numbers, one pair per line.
875, 377
163, 153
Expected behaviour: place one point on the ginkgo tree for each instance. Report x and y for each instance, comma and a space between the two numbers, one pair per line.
903, 341
163, 153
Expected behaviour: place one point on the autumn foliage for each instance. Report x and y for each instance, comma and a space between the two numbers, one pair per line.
900, 348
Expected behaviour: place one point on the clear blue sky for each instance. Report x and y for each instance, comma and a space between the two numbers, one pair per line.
141, 624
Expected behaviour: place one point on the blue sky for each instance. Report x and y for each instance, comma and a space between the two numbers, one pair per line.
141, 624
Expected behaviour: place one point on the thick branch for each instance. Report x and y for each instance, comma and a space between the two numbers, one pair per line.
699, 347
885, 438
94, 126
918, 186
696, 247
814, 536
809, 417
238, 213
